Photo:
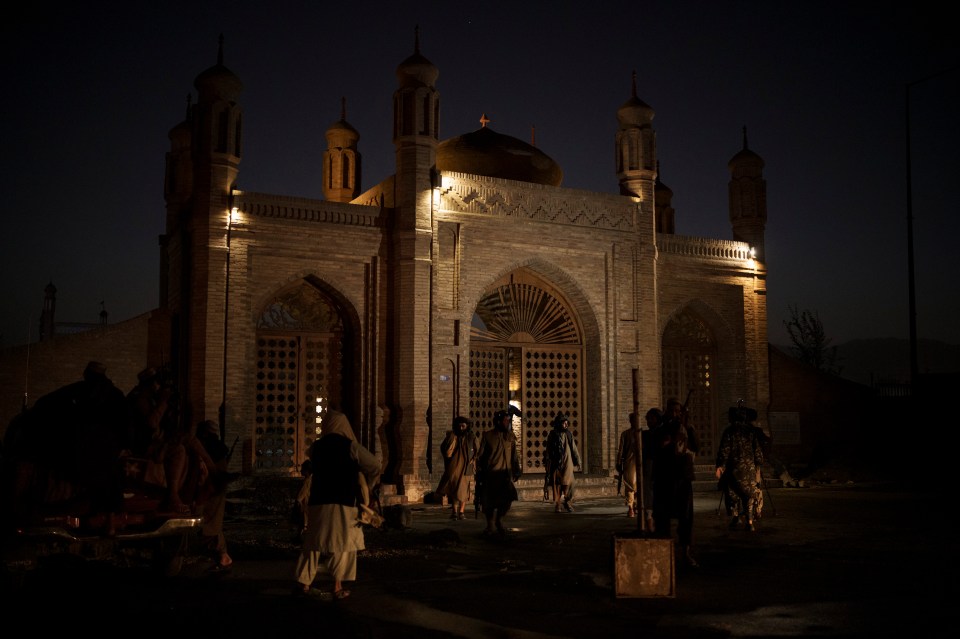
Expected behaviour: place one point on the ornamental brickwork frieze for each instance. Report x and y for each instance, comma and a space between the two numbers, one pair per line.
703, 248
306, 210
461, 194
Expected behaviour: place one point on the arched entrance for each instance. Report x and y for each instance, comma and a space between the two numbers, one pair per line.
301, 372
689, 364
526, 350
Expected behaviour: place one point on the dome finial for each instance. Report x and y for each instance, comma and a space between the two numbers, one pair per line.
343, 108
483, 121
533, 134
416, 39
220, 51
633, 88
745, 137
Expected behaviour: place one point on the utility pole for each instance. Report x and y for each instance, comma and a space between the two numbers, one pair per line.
911, 278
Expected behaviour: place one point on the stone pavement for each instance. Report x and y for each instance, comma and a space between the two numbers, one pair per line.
826, 561
847, 560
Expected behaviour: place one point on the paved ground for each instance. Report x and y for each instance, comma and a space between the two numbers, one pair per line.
827, 561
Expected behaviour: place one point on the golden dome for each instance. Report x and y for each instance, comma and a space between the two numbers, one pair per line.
486, 152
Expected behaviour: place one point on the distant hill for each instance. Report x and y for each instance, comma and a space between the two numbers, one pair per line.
869, 361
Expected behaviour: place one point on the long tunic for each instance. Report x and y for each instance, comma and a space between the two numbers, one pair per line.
562, 469
497, 464
627, 459
458, 452
332, 510
674, 445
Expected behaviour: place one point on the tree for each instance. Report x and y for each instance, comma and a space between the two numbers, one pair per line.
810, 343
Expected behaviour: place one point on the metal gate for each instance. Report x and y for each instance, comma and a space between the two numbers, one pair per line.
540, 382
552, 383
298, 377
688, 358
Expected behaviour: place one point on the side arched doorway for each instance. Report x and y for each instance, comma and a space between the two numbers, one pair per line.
526, 350
689, 368
301, 372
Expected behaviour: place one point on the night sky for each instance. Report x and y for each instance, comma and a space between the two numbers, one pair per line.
820, 87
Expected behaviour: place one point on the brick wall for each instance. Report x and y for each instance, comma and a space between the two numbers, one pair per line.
42, 367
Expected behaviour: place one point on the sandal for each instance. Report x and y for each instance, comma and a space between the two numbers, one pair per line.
341, 594
311, 592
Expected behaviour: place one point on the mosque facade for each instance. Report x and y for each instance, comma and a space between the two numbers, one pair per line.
467, 281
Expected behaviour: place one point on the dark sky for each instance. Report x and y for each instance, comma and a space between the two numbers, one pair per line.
820, 86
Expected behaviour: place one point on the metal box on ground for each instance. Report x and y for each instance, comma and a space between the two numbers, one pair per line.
643, 567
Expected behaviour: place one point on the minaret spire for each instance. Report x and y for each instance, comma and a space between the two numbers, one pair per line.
636, 146
341, 161
748, 198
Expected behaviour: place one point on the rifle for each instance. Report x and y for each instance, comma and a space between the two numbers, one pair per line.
477, 493
765, 489
684, 413
230, 452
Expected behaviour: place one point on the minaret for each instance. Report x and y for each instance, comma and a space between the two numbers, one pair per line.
178, 177
636, 147
217, 128
636, 163
195, 244
748, 198
341, 160
664, 212
416, 115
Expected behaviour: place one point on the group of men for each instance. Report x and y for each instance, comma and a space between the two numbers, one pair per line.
492, 459
655, 465
87, 438
656, 468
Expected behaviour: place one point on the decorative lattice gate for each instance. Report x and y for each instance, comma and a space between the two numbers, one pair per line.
526, 351
299, 375
688, 359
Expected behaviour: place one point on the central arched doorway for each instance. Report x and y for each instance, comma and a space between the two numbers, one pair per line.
526, 350
301, 372
689, 374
